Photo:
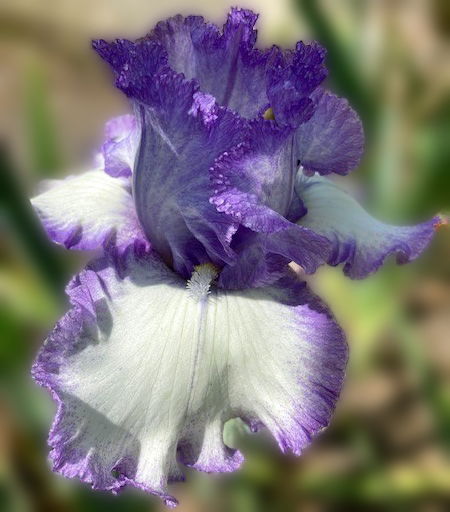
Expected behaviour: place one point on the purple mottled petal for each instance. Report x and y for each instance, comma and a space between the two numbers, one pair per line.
133, 406
254, 182
146, 57
359, 240
178, 145
120, 146
262, 256
292, 79
182, 132
255, 266
223, 62
332, 141
89, 211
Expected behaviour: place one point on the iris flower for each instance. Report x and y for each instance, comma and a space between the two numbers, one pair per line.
197, 205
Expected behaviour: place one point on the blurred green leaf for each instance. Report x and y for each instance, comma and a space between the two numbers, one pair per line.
18, 214
436, 395
42, 140
13, 343
130, 501
432, 155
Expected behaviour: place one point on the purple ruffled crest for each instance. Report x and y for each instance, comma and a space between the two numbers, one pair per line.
291, 81
332, 140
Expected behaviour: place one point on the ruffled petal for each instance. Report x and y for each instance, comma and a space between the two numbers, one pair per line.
120, 146
89, 211
359, 240
263, 257
333, 139
147, 58
146, 372
223, 62
291, 79
182, 131
254, 182
239, 76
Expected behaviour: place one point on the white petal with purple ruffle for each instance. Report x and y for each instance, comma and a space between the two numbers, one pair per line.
359, 240
84, 211
148, 370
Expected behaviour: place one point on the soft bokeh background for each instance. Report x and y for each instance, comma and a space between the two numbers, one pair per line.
388, 446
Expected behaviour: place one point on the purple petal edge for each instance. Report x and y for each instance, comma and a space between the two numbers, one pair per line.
87, 289
421, 236
52, 355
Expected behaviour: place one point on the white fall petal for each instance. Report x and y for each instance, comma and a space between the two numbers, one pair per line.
359, 240
85, 211
148, 370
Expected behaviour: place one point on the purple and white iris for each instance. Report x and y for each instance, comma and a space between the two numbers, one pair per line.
198, 202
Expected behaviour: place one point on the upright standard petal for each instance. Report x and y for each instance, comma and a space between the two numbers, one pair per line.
332, 141
182, 131
224, 62
358, 240
239, 76
146, 372
291, 79
89, 211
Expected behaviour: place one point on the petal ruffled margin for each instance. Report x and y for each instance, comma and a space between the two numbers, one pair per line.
90, 211
254, 184
146, 375
239, 76
332, 141
224, 63
292, 78
359, 240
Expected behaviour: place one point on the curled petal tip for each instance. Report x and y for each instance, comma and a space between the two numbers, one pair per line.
441, 220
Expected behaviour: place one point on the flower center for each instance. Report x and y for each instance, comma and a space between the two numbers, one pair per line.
200, 282
268, 114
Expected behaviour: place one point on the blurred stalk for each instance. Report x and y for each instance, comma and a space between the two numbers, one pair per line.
18, 214
343, 73
44, 154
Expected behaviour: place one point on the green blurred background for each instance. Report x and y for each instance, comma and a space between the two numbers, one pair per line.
388, 446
